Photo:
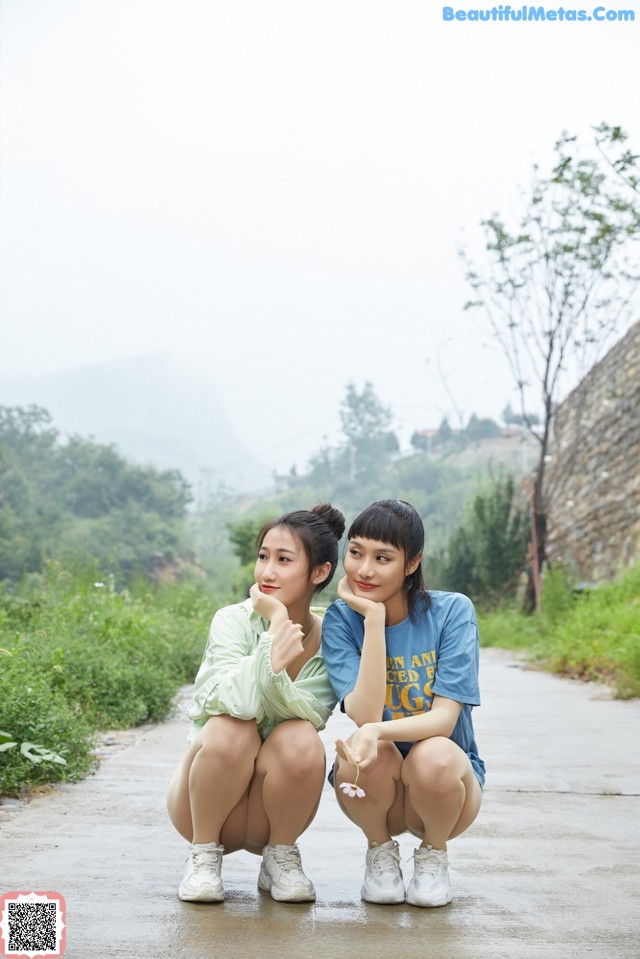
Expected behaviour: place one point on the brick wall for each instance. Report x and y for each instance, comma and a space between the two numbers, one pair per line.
594, 472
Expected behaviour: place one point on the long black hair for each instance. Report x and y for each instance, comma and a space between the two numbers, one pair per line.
396, 522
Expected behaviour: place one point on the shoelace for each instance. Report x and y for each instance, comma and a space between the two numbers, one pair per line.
428, 864
378, 856
289, 859
204, 859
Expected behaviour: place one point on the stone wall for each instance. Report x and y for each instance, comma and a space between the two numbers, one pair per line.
594, 470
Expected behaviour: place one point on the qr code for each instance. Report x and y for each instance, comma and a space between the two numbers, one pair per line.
32, 924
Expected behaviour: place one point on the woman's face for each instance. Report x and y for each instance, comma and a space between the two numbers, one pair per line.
282, 568
377, 570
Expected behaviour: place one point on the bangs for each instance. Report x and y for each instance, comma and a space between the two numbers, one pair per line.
378, 523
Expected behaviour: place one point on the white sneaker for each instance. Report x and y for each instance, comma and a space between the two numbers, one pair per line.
430, 885
281, 874
383, 881
202, 881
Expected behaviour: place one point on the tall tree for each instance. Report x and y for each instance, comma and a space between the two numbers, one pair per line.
366, 425
555, 287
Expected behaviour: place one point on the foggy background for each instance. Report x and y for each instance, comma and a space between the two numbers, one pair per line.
216, 214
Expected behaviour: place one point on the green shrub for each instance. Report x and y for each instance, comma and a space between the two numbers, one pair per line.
593, 635
31, 710
558, 593
599, 638
77, 658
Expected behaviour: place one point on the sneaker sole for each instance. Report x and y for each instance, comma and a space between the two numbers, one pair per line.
443, 901
286, 895
208, 894
374, 898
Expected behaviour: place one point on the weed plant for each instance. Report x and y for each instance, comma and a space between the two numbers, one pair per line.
593, 634
77, 657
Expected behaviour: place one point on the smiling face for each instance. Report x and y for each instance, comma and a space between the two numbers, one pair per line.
282, 568
377, 571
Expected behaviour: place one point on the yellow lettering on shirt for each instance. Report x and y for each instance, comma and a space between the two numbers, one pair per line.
410, 702
409, 690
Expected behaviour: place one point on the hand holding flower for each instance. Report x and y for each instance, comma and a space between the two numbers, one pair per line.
362, 748
345, 752
350, 789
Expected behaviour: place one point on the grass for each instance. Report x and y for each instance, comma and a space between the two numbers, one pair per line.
76, 658
591, 635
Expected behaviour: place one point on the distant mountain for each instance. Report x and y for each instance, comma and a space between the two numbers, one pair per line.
155, 408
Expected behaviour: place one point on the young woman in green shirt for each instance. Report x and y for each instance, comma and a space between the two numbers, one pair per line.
254, 769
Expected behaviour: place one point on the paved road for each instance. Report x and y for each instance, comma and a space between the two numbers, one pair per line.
550, 868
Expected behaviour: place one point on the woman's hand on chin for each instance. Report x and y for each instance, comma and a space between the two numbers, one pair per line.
366, 607
268, 606
286, 636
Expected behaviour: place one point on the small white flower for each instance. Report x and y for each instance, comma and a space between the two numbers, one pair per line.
350, 789
98, 585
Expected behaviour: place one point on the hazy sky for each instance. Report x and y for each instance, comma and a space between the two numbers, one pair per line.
277, 189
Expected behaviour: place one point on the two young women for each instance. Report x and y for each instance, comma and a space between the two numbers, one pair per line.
403, 663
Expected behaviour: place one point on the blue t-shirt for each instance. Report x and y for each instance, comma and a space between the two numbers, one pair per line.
437, 654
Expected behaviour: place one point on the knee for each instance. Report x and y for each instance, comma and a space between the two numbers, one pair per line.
431, 766
389, 755
226, 738
296, 748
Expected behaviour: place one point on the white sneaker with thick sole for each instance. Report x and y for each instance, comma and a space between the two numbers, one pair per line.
202, 881
281, 874
430, 885
383, 881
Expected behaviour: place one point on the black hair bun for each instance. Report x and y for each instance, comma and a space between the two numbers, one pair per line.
332, 517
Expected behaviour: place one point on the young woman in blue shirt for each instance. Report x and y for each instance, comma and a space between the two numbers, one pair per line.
403, 662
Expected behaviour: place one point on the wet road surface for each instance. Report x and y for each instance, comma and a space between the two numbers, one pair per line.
550, 868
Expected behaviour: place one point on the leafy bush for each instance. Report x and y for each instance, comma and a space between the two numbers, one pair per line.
32, 711
79, 657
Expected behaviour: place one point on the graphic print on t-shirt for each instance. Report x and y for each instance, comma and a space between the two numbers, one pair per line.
409, 684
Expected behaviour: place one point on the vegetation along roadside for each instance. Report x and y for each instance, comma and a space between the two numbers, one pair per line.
79, 657
591, 634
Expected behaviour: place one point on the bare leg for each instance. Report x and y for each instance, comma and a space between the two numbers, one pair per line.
381, 813
213, 778
442, 794
285, 792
